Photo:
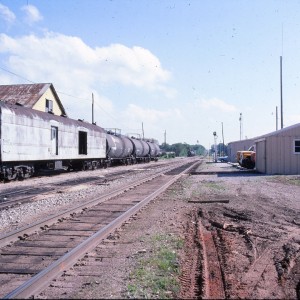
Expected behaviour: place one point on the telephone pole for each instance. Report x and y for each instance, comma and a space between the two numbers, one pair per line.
223, 140
241, 126
281, 104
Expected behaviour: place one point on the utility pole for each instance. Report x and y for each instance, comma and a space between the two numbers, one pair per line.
223, 140
276, 118
240, 119
165, 137
281, 104
92, 108
143, 130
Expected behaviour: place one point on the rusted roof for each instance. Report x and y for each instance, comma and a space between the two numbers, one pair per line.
27, 94
34, 114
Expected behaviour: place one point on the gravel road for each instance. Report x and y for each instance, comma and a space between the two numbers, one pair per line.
255, 222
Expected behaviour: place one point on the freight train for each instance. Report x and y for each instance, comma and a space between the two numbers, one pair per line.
32, 140
191, 152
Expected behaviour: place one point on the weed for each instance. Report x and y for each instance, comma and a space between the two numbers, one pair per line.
156, 275
213, 185
293, 180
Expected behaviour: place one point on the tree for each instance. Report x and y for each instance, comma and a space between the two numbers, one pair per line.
181, 149
221, 149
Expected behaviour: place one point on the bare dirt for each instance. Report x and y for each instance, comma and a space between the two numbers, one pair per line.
241, 240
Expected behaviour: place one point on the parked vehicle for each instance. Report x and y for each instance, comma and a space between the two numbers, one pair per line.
223, 158
246, 159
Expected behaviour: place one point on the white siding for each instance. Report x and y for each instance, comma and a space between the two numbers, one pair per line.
29, 138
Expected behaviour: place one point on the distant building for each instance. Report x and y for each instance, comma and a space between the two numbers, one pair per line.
38, 96
234, 147
277, 152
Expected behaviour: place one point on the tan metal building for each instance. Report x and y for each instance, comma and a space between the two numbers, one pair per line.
235, 146
276, 153
38, 96
279, 152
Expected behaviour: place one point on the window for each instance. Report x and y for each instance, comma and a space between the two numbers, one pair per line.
82, 142
297, 147
49, 106
54, 140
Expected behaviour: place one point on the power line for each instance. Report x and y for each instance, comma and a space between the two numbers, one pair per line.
63, 93
16, 75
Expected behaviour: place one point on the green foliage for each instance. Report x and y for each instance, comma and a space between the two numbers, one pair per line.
156, 275
213, 185
221, 149
181, 149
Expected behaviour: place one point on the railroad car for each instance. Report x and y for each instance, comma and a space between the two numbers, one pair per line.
119, 148
32, 139
129, 150
191, 153
155, 151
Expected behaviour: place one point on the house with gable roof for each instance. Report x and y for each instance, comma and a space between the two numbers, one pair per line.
38, 96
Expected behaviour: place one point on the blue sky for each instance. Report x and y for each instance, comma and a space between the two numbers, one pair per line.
180, 67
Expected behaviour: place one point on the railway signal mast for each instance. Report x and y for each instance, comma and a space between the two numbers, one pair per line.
215, 144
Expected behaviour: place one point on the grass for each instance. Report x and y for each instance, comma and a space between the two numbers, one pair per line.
207, 187
155, 275
213, 185
293, 180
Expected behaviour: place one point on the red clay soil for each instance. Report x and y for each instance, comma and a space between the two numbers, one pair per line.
241, 237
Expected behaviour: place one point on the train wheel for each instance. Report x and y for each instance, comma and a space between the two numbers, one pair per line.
11, 177
109, 163
20, 174
9, 174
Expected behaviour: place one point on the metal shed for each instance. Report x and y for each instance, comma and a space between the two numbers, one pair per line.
233, 147
279, 152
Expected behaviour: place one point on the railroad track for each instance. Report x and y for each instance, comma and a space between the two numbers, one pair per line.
18, 195
29, 264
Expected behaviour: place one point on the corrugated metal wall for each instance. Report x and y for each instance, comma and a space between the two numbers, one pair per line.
279, 157
233, 147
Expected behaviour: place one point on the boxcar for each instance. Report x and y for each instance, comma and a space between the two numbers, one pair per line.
32, 139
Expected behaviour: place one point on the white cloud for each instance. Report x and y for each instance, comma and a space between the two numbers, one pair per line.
154, 120
7, 14
32, 14
217, 104
150, 115
77, 70
67, 59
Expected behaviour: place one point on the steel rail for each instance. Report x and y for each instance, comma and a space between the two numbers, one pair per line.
24, 199
34, 285
42, 224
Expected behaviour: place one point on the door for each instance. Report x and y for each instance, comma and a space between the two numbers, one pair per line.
260, 162
82, 142
54, 140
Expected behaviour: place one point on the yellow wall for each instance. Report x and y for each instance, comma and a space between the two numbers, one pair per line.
41, 103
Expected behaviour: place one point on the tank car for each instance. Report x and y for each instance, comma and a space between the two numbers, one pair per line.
31, 140
127, 150
155, 151
141, 150
119, 148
